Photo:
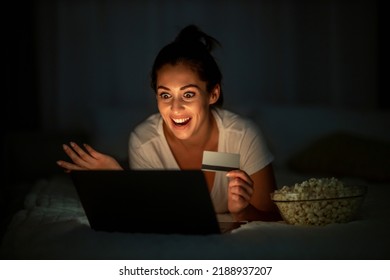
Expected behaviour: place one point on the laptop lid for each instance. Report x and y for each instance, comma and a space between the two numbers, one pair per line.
147, 201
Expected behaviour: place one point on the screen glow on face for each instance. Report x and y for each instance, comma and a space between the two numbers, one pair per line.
182, 100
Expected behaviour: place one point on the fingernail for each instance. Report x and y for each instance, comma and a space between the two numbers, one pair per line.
64, 146
72, 144
59, 163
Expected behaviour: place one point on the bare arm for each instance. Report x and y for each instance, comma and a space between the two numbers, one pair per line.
249, 196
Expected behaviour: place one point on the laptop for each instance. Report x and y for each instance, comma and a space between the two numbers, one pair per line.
148, 201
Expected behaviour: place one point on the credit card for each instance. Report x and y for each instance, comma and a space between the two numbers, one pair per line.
217, 161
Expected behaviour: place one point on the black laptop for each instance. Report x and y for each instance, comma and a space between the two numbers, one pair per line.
148, 201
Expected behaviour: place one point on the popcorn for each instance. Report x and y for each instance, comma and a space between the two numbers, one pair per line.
318, 202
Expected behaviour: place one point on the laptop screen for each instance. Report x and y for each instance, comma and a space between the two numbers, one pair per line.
147, 201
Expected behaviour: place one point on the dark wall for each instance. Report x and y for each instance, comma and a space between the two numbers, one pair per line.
22, 102
25, 88
287, 52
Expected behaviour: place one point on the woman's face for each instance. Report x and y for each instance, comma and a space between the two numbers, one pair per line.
183, 101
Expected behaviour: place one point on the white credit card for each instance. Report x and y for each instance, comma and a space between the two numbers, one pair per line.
217, 161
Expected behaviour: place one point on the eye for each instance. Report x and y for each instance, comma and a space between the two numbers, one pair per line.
165, 95
188, 94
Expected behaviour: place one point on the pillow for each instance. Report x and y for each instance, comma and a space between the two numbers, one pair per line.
345, 154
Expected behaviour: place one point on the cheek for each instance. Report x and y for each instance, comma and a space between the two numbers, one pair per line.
203, 108
162, 107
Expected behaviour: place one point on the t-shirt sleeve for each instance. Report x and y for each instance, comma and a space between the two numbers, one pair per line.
137, 160
255, 154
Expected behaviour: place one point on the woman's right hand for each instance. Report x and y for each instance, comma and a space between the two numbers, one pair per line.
88, 159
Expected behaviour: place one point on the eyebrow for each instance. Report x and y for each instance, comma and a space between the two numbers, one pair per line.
182, 88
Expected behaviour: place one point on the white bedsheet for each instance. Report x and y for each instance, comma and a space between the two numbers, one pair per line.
53, 226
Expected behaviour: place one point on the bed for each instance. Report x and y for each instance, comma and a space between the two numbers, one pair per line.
51, 223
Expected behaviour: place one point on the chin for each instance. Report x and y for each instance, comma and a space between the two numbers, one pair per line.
182, 136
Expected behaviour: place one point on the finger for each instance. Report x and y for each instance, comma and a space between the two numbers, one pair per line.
82, 154
235, 197
236, 181
240, 174
73, 155
69, 166
240, 191
240, 187
92, 151
239, 199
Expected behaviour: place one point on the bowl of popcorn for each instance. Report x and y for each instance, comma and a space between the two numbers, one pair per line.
319, 202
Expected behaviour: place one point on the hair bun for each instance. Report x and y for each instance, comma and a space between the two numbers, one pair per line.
191, 34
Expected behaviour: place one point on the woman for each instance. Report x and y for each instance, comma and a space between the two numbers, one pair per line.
187, 83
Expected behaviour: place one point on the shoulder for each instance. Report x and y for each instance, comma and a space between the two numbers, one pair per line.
243, 136
233, 122
146, 131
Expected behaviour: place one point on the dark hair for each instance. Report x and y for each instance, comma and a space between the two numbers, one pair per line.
192, 47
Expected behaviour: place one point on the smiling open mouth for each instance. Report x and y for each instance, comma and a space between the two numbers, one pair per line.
181, 121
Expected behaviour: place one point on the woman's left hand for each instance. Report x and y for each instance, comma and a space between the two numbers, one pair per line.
240, 190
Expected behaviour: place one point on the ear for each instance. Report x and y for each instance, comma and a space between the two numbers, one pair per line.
214, 94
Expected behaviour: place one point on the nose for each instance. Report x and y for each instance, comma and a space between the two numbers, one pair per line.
177, 105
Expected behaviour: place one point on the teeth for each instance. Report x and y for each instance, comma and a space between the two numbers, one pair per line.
180, 120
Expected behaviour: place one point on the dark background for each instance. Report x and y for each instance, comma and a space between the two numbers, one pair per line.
78, 70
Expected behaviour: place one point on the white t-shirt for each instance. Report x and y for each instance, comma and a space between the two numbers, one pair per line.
149, 149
